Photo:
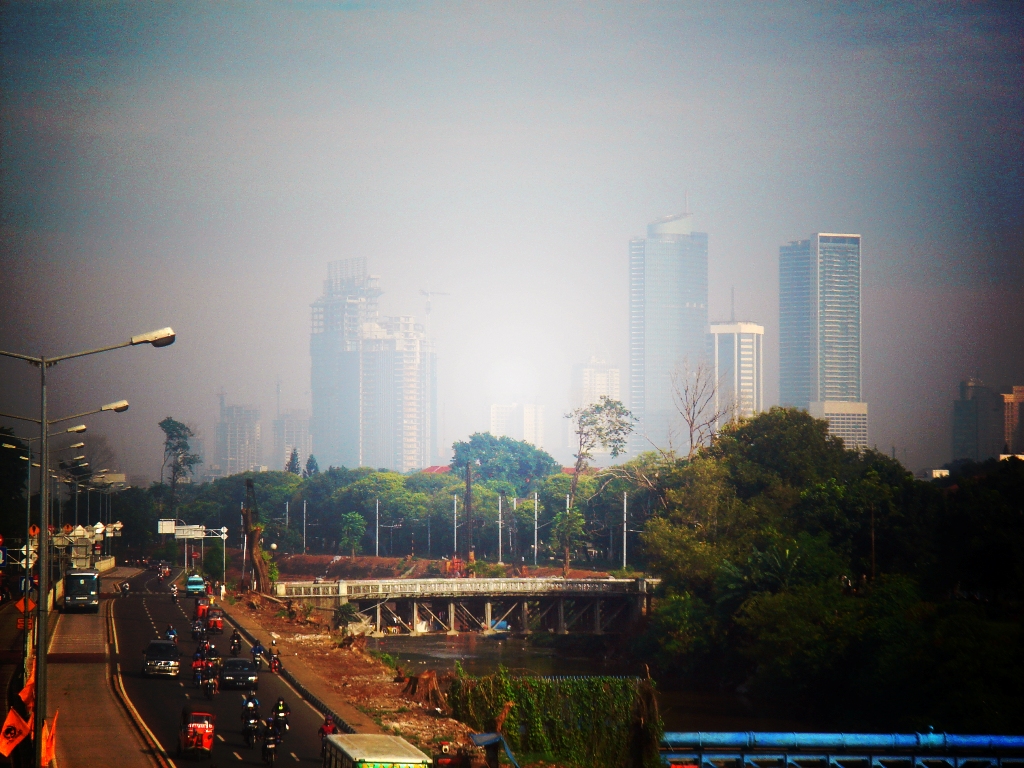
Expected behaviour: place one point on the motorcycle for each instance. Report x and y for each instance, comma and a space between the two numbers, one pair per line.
281, 724
275, 664
270, 748
210, 687
251, 729
236, 647
258, 661
171, 635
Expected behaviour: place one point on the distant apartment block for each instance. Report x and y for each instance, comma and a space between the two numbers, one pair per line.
820, 330
668, 318
291, 431
590, 382
520, 422
987, 423
239, 440
848, 421
373, 378
736, 357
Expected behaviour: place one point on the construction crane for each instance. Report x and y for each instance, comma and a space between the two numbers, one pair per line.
428, 294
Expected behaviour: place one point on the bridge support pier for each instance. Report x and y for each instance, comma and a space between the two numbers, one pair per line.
378, 631
488, 628
451, 618
415, 619
560, 627
524, 617
597, 617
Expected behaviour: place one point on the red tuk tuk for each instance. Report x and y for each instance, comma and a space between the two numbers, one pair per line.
202, 607
195, 734
215, 620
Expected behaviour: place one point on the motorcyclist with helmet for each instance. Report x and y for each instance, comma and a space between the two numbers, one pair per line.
236, 643
171, 634
280, 713
327, 729
257, 652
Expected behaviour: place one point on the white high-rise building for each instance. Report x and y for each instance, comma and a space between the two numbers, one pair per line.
291, 431
520, 422
736, 355
846, 420
590, 382
239, 440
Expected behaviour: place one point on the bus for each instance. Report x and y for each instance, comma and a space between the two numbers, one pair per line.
348, 750
82, 590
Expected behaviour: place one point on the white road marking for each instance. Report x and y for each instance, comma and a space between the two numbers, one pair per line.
187, 696
220, 737
237, 755
296, 757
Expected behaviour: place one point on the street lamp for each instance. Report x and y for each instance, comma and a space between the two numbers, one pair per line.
160, 338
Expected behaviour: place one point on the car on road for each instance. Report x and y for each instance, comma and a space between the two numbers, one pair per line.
239, 673
161, 657
196, 585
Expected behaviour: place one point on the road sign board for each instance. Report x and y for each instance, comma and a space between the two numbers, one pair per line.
165, 526
20, 605
189, 531
31, 623
3, 554
61, 540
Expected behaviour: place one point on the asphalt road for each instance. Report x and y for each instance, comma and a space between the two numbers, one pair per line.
144, 616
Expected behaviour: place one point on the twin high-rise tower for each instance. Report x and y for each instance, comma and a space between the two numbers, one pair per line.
669, 334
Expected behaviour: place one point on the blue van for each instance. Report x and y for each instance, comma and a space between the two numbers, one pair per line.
195, 585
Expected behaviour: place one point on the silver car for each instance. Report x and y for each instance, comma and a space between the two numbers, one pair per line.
161, 658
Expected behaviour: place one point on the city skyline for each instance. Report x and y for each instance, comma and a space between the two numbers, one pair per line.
201, 170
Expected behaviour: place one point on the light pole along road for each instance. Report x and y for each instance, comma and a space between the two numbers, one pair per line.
160, 338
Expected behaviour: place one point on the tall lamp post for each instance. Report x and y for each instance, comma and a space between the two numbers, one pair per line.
160, 338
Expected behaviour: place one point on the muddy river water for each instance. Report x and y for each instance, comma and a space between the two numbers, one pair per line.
480, 655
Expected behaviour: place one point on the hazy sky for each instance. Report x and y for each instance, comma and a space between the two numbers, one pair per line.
198, 164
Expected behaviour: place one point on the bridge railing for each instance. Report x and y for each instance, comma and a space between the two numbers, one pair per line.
433, 588
840, 750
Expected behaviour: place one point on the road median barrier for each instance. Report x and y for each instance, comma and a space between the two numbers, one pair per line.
302, 690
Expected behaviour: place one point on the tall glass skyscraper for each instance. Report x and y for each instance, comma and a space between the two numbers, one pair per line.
736, 355
668, 317
819, 326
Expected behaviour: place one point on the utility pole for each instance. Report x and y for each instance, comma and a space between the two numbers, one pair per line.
624, 530
468, 506
501, 497
303, 526
455, 525
376, 536
534, 529
286, 514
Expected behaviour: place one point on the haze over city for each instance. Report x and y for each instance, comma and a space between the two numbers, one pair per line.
199, 166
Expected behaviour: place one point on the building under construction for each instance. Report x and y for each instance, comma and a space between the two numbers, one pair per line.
373, 378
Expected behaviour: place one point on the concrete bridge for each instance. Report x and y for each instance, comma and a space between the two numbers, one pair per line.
521, 605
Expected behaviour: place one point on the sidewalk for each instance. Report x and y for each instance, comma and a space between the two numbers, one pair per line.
309, 682
93, 728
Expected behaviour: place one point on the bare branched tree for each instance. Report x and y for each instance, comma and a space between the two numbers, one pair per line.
695, 393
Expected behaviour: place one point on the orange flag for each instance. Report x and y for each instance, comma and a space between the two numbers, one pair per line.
28, 695
14, 730
49, 741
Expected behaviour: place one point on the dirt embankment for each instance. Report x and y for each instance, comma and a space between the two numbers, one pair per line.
376, 689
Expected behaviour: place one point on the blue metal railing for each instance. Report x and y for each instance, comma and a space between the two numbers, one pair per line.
874, 742
840, 750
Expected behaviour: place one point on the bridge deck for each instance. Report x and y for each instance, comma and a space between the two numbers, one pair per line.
464, 588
